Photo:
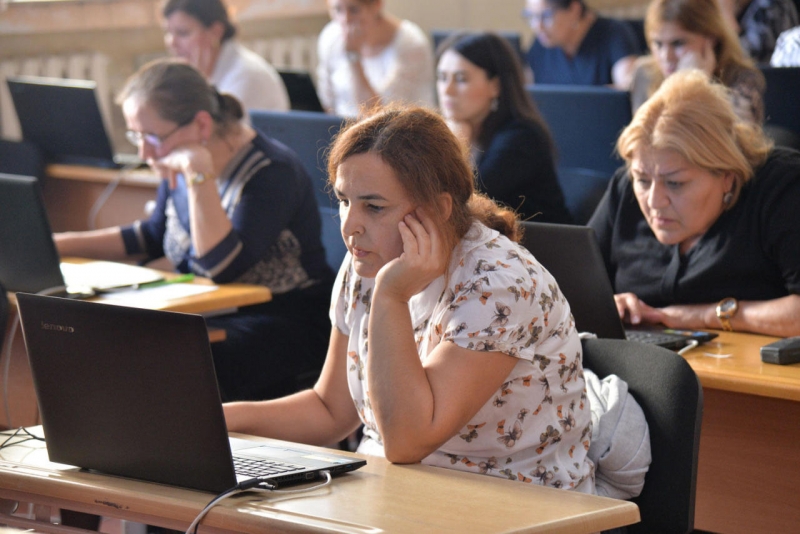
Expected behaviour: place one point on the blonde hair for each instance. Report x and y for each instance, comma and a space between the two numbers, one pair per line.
703, 17
428, 160
693, 116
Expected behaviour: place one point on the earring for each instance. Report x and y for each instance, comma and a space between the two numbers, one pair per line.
495, 105
727, 198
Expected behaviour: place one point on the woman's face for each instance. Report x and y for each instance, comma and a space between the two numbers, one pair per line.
553, 26
354, 14
371, 204
670, 43
680, 201
157, 136
465, 90
185, 36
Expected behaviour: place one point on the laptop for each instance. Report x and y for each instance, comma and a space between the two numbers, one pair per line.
62, 117
302, 91
573, 257
29, 260
132, 392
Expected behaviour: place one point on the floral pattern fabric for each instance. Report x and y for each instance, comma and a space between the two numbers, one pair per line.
536, 428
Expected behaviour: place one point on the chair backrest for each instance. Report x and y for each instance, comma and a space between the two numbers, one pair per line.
335, 248
667, 389
308, 134
585, 122
22, 158
781, 97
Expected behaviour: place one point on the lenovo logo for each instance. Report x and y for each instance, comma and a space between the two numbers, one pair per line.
57, 327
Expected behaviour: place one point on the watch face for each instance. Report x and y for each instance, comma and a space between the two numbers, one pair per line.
727, 305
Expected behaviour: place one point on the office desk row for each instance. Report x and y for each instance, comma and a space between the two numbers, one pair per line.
379, 497
225, 298
749, 462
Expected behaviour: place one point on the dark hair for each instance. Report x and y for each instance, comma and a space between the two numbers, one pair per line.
428, 160
177, 91
495, 55
206, 11
564, 4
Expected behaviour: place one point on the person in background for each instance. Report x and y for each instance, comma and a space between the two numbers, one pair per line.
233, 206
450, 343
787, 49
759, 23
693, 34
574, 45
701, 228
200, 32
369, 57
482, 97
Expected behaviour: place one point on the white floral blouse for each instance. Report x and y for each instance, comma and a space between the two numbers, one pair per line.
536, 428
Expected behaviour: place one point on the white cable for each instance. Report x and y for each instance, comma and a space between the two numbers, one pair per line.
689, 346
102, 199
193, 526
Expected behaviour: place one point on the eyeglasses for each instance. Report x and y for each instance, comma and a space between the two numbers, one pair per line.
545, 17
156, 141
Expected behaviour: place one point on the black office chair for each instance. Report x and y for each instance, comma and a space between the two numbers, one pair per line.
308, 134
22, 158
667, 389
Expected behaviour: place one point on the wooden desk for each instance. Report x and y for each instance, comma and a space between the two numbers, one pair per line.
379, 497
749, 462
21, 396
70, 192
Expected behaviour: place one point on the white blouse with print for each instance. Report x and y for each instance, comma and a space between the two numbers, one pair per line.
536, 428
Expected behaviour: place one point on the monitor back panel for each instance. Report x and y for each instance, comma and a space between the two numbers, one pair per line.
62, 117
127, 391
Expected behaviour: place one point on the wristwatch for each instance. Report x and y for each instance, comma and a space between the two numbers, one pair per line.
195, 178
726, 310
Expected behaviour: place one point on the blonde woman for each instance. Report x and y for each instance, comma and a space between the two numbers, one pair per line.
701, 229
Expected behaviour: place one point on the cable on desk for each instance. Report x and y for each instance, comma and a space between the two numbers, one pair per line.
26, 436
253, 484
689, 346
12, 332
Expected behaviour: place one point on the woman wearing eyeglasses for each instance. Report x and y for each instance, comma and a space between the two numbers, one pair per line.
234, 206
576, 46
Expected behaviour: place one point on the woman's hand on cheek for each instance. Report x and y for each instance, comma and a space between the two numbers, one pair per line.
424, 259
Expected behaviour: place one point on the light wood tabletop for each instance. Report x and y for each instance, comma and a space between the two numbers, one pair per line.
748, 466
380, 497
732, 362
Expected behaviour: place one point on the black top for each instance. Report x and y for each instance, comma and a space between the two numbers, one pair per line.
517, 169
752, 252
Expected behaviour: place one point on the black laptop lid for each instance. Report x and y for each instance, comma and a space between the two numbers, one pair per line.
573, 257
28, 257
127, 391
62, 117
301, 89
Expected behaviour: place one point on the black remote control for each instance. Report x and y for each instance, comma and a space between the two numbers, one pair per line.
782, 352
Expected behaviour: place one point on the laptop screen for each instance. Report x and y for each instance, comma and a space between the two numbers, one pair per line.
29, 260
62, 117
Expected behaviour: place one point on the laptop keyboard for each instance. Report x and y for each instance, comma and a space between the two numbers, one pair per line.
262, 468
